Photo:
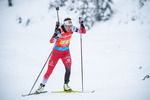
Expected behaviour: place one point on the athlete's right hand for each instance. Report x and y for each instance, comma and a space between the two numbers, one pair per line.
58, 36
57, 24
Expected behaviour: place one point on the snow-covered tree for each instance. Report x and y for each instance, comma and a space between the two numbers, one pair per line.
91, 10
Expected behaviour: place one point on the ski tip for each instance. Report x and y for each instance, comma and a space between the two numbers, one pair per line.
24, 95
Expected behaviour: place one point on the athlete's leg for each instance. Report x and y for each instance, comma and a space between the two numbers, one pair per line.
67, 62
51, 65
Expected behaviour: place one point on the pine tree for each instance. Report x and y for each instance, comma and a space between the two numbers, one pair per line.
103, 9
141, 3
99, 10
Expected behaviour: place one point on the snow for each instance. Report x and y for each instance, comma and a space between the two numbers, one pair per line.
115, 53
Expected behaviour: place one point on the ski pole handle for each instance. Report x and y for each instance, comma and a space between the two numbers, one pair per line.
57, 8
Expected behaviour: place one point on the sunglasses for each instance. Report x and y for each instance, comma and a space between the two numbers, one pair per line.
69, 26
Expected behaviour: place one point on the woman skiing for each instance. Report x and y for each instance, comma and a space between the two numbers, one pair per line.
62, 37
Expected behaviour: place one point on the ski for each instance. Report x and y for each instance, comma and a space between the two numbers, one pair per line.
24, 95
73, 91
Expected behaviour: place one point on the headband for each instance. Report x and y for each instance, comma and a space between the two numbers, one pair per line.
68, 22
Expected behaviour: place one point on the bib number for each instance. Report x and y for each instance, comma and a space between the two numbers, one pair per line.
65, 42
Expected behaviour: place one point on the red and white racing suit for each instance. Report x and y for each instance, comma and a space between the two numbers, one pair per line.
61, 51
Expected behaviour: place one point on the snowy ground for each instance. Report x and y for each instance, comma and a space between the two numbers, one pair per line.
116, 53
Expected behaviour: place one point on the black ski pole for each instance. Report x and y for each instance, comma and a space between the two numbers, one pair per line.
57, 8
57, 23
40, 72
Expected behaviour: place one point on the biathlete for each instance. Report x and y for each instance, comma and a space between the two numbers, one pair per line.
62, 37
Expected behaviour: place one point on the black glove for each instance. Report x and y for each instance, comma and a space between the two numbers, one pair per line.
57, 26
81, 21
57, 34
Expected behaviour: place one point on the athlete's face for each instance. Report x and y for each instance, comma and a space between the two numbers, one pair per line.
68, 27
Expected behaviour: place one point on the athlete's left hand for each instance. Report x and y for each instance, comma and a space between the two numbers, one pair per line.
81, 21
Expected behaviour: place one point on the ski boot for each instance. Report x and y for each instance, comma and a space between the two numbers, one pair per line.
40, 89
67, 88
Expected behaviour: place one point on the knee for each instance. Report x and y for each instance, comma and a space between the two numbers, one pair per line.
68, 62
